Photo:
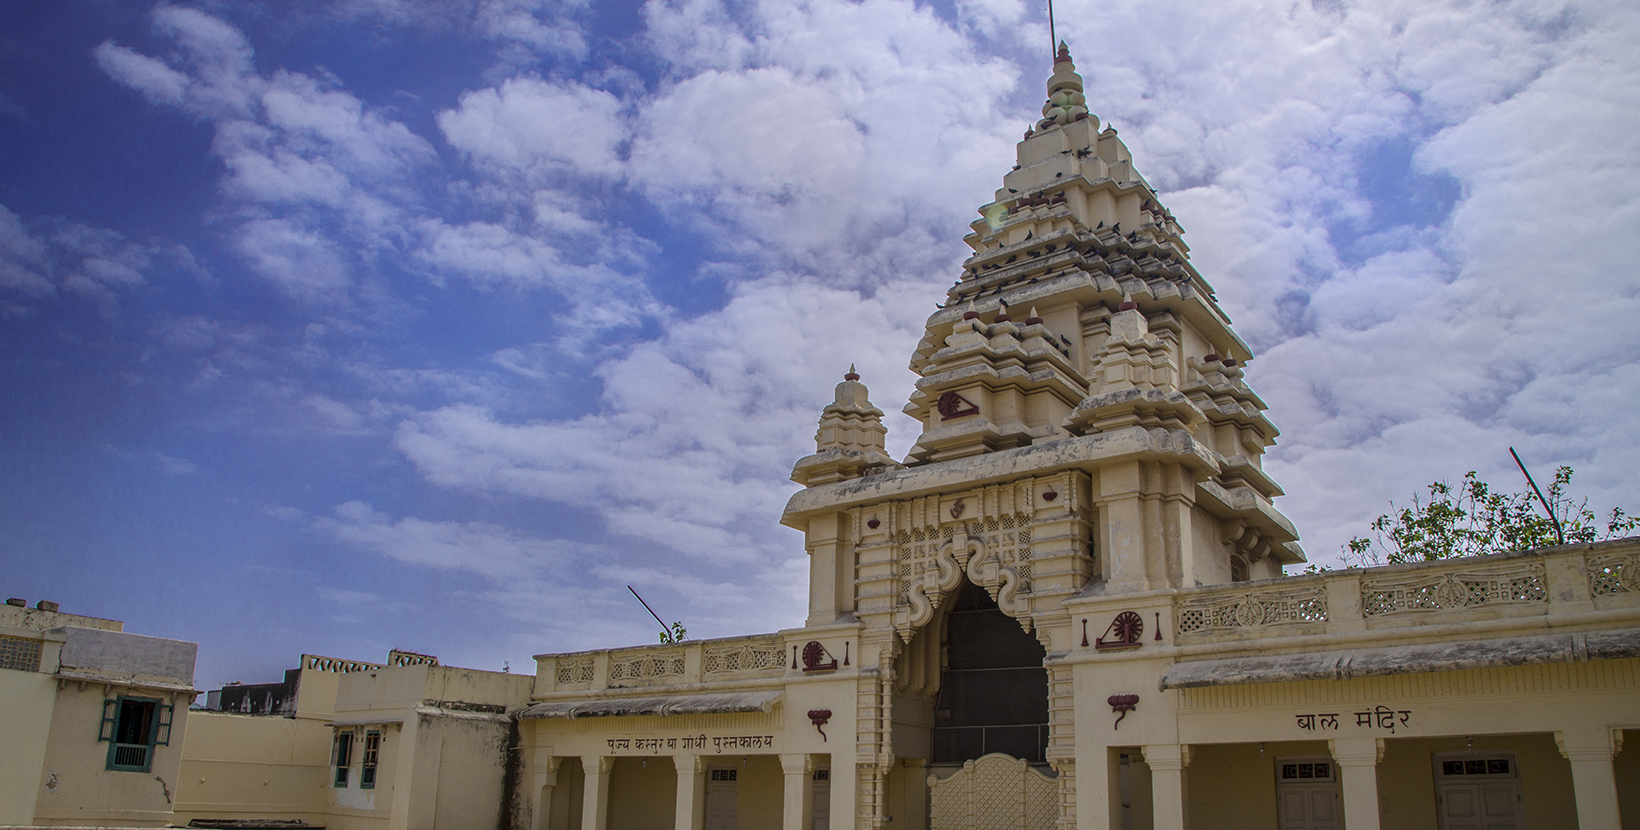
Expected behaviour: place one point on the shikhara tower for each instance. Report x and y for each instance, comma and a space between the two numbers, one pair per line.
1087, 438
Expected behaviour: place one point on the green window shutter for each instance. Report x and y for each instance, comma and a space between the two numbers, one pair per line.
111, 711
162, 726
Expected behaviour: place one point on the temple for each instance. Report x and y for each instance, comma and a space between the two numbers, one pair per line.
1064, 608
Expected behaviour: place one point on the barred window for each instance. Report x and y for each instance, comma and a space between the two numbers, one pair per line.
133, 726
19, 653
342, 757
372, 749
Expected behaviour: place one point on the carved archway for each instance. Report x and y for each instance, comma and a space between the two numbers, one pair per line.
994, 553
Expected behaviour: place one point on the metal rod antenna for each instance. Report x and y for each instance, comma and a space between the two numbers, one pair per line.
664, 629
1558, 534
1053, 39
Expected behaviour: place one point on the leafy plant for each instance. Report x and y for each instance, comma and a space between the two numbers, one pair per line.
677, 635
1473, 518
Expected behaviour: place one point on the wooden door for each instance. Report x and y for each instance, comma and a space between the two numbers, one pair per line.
1307, 796
1480, 805
822, 799
721, 798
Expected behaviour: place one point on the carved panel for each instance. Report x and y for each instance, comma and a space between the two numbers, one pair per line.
574, 670
743, 656
645, 666
1476, 585
1614, 574
1258, 608
993, 790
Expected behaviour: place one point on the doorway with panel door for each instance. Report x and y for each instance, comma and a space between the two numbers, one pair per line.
1307, 795
1478, 791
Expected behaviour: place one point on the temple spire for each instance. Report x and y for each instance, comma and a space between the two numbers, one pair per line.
1066, 102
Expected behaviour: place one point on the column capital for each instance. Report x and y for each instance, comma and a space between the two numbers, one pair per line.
1166, 756
1356, 752
545, 761
689, 764
796, 764
599, 763
1589, 744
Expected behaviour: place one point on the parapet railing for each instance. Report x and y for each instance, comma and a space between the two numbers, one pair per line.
314, 662
660, 665
1546, 581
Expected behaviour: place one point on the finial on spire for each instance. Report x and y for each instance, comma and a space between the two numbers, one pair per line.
1066, 103
851, 375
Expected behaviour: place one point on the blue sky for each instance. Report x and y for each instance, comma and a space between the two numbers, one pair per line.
333, 327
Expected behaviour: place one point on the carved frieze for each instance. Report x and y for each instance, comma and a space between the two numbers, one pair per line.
1482, 584
1614, 574
743, 656
1258, 608
645, 666
574, 670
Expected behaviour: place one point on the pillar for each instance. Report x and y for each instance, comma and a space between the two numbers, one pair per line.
1358, 772
595, 804
1167, 763
691, 802
546, 777
844, 787
1594, 784
797, 805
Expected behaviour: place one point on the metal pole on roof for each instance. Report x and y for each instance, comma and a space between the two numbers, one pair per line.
1518, 463
664, 630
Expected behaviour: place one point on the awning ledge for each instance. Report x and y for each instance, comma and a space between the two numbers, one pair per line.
617, 707
1371, 662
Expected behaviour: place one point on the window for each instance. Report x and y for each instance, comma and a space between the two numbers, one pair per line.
19, 653
372, 748
133, 726
1239, 569
342, 757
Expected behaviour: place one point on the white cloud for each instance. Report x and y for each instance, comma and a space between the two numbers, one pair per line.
527, 123
483, 548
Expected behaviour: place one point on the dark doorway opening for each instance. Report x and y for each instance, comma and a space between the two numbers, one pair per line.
993, 689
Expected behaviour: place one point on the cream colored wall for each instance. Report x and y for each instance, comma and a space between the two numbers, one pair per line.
642, 796
1230, 786
1406, 780
566, 796
87, 792
247, 766
761, 793
1626, 768
37, 620
468, 764
908, 794
25, 729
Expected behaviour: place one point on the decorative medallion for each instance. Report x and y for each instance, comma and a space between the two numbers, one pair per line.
951, 405
1124, 632
1122, 704
814, 658
957, 508
820, 717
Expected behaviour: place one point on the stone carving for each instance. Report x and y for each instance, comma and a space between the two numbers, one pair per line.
993, 790
645, 666
743, 656
1472, 585
1259, 608
577, 670
1614, 574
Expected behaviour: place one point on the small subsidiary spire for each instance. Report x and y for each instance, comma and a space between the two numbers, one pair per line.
1065, 103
